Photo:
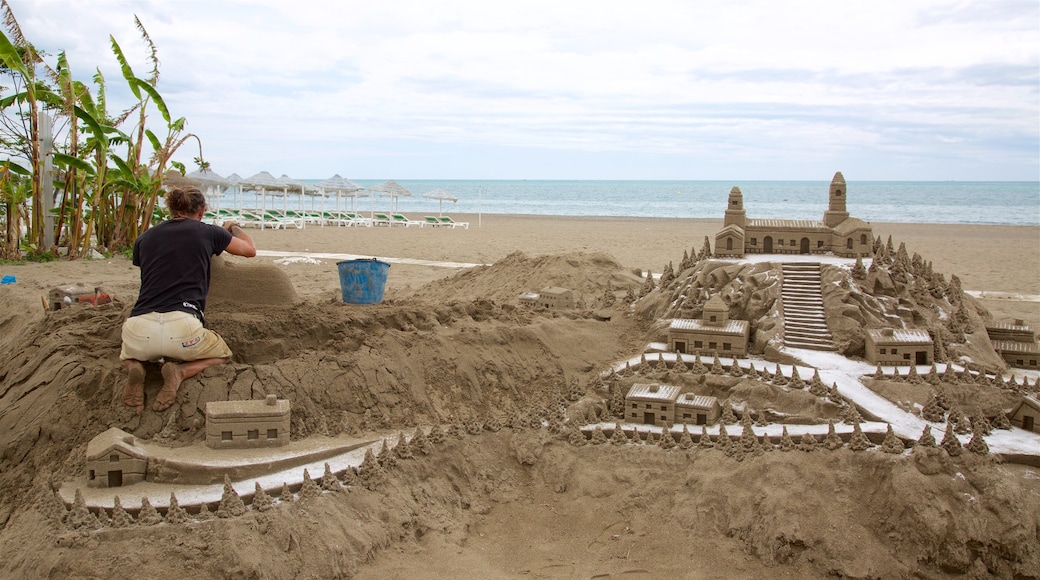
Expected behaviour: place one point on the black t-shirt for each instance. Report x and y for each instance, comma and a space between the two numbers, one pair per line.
174, 260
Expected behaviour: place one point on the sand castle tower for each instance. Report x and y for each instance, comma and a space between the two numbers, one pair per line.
735, 214
716, 312
836, 212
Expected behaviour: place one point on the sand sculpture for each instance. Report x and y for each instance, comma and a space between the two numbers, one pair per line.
242, 424
837, 234
658, 404
1016, 342
891, 346
713, 333
549, 298
1026, 415
114, 460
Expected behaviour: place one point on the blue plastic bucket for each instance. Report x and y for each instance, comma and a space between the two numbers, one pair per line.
363, 281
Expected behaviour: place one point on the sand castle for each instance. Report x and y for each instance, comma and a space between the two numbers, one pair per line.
549, 298
1016, 343
713, 333
244, 424
114, 459
1025, 414
837, 234
891, 346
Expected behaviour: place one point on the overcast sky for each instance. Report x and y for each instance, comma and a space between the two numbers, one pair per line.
583, 89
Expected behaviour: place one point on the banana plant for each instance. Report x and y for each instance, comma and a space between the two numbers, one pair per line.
15, 187
22, 59
143, 180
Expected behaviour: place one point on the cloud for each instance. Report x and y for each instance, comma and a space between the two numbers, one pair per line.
775, 88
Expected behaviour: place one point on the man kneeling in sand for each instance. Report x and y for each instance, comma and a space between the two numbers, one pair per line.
167, 320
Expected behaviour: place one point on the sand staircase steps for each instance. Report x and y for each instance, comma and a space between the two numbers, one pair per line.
805, 321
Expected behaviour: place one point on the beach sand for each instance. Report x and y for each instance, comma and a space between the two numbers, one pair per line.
448, 343
987, 258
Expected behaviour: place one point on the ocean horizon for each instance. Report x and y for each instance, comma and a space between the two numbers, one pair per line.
953, 202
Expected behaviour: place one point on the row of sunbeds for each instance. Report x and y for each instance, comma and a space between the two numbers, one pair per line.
396, 219
283, 219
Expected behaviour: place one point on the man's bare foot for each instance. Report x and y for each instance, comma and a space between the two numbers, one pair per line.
133, 394
172, 377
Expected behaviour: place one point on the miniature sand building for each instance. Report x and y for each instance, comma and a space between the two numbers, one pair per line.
244, 424
549, 298
838, 233
1025, 415
697, 409
651, 403
713, 333
899, 347
1016, 343
656, 404
114, 460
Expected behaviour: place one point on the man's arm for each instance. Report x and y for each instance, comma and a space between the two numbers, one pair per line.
241, 244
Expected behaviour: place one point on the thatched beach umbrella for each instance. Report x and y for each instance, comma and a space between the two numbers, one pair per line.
393, 190
235, 183
290, 184
441, 195
342, 187
211, 184
174, 179
262, 182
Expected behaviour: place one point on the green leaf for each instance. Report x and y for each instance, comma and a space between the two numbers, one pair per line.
128, 73
95, 126
63, 160
123, 168
159, 102
14, 167
156, 145
9, 54
8, 101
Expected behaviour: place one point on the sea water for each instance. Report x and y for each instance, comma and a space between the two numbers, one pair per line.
953, 202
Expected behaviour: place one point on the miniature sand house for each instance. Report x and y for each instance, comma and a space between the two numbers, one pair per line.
114, 460
656, 404
838, 233
697, 409
900, 347
652, 404
1016, 343
244, 424
549, 298
1025, 414
713, 333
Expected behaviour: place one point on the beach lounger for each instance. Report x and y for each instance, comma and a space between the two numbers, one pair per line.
356, 219
432, 221
381, 219
447, 221
401, 220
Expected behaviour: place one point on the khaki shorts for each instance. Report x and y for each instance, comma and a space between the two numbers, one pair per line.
175, 335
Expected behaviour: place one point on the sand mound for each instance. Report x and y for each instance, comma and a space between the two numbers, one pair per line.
494, 503
249, 283
588, 275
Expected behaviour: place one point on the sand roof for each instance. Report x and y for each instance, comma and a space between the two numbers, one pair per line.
730, 327
899, 336
654, 391
698, 401
1016, 346
778, 224
114, 438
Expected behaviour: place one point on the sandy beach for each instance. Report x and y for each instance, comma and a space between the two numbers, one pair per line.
450, 346
994, 259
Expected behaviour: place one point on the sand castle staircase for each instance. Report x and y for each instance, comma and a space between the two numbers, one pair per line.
805, 324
